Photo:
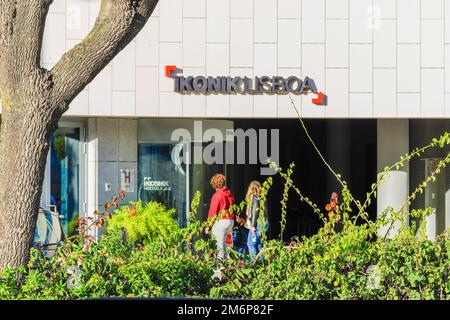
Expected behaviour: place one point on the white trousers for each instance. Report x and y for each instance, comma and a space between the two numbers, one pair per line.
220, 230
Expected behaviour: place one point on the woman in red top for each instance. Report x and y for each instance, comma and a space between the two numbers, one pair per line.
221, 202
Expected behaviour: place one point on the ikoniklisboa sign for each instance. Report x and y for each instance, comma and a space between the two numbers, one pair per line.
243, 85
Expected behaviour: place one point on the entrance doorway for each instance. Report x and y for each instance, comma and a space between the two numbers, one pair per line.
64, 174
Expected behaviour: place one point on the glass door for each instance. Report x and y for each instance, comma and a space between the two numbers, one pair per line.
63, 176
163, 178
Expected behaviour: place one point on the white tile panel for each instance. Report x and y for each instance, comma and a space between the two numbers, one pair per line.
433, 99
217, 21
432, 43
147, 44
337, 43
408, 21
123, 103
170, 20
361, 105
194, 8
387, 8
59, 6
217, 106
265, 106
241, 50
77, 19
265, 19
289, 9
289, 48
337, 92
100, 93
313, 63
408, 105
147, 93
218, 59
447, 68
265, 59
124, 76
241, 8
384, 44
384, 93
194, 42
80, 105
432, 9
313, 21
361, 18
336, 9
54, 41
170, 104
360, 68
408, 69
194, 105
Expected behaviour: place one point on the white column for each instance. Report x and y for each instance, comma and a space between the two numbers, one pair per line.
392, 143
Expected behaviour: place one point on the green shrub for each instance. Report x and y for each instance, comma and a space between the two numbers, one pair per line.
145, 223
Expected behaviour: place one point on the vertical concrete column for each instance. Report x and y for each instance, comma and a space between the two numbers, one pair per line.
392, 143
112, 147
338, 153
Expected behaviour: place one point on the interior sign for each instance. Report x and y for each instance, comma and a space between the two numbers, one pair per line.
243, 85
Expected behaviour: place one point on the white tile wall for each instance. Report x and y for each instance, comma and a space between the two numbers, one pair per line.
265, 21
289, 48
241, 8
360, 68
408, 105
408, 67
289, 9
373, 58
408, 21
360, 21
432, 43
194, 42
384, 44
361, 105
194, 8
147, 44
241, 43
384, 93
217, 21
313, 21
338, 93
337, 43
124, 77
432, 9
170, 20
387, 8
433, 99
337, 9
77, 19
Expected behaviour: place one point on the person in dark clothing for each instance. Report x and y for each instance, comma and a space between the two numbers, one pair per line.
253, 223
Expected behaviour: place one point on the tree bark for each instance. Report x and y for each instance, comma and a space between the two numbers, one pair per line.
34, 99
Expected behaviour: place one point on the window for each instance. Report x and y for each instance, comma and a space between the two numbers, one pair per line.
161, 179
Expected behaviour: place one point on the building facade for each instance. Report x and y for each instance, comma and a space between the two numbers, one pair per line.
384, 66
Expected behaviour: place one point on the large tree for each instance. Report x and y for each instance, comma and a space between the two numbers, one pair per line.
34, 99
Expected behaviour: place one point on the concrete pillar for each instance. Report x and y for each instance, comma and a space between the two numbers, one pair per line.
112, 147
338, 153
392, 143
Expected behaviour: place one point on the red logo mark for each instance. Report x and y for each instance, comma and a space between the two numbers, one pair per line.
321, 99
170, 70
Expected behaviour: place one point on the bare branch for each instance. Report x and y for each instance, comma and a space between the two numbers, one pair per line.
118, 23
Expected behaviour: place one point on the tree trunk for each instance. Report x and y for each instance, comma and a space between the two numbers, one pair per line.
27, 124
34, 99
